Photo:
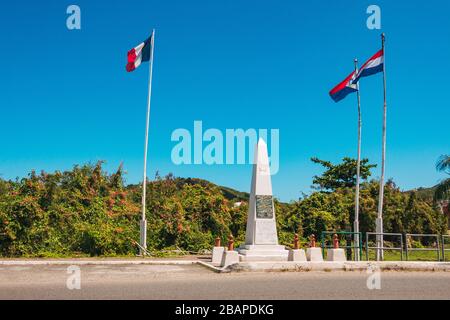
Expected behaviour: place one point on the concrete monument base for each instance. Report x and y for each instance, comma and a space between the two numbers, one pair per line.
263, 253
217, 254
336, 255
314, 254
297, 255
229, 258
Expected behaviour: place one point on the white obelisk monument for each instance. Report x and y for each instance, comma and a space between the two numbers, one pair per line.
261, 239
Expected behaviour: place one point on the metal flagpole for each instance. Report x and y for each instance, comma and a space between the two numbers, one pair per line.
379, 221
358, 172
143, 226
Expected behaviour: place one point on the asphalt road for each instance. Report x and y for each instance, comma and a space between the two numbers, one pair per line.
195, 282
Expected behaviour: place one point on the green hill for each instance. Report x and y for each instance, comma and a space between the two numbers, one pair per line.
228, 193
423, 193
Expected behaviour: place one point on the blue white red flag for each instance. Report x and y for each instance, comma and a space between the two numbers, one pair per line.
344, 88
372, 66
139, 54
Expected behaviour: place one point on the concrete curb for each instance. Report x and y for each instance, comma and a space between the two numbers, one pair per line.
94, 262
213, 268
273, 266
339, 266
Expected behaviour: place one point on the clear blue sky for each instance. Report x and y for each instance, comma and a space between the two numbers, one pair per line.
66, 99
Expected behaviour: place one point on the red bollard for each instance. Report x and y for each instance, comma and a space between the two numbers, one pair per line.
296, 247
230, 243
335, 241
312, 243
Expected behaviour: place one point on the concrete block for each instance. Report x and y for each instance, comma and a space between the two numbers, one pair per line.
314, 254
336, 255
217, 254
263, 253
297, 255
229, 258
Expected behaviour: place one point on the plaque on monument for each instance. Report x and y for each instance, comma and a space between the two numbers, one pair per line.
264, 207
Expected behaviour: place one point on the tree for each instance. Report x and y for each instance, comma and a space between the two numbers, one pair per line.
341, 175
442, 191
